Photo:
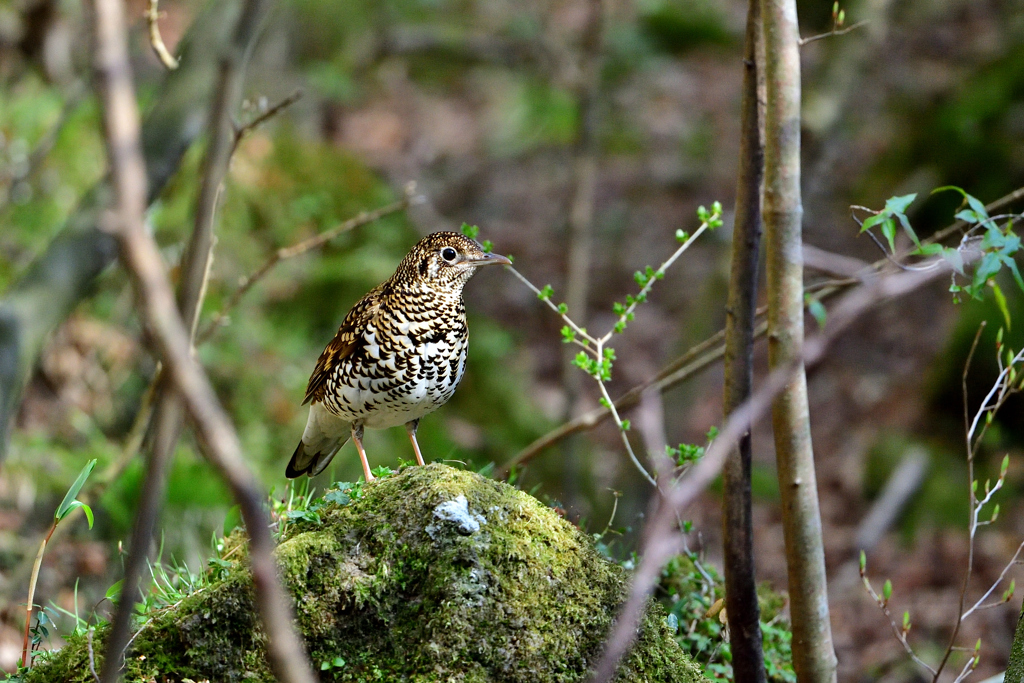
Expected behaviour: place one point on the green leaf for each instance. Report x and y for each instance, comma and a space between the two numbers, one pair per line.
337, 497
470, 231
887, 590
1005, 465
114, 591
863, 561
74, 505
1012, 265
1001, 303
488, 246
816, 309
65, 505
563, 308
545, 293
872, 221
976, 204
898, 205
889, 230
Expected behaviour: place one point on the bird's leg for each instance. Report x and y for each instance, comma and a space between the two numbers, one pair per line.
411, 427
357, 439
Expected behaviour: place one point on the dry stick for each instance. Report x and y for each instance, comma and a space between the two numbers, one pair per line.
156, 299
814, 656
742, 609
168, 413
659, 539
220, 318
153, 15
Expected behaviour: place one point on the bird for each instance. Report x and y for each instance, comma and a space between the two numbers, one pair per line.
398, 355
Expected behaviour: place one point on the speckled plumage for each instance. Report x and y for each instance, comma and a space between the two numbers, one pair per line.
398, 355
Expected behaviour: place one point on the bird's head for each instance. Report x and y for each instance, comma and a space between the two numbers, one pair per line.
446, 259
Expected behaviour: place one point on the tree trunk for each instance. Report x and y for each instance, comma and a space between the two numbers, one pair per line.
813, 654
740, 585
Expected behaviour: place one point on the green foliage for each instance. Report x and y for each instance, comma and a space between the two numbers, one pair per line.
693, 594
998, 244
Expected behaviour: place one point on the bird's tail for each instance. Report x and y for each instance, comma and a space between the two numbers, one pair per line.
324, 435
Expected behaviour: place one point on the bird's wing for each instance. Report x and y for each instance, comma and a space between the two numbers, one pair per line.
348, 338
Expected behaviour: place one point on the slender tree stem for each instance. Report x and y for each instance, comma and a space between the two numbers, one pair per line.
813, 654
156, 299
742, 610
169, 413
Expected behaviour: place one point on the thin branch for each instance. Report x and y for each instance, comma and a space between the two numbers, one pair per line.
220, 318
271, 112
153, 16
900, 633
595, 346
833, 32
142, 259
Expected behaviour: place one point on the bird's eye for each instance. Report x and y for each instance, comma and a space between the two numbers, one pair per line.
448, 254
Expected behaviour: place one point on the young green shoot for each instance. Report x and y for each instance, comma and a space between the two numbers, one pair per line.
66, 507
595, 357
982, 511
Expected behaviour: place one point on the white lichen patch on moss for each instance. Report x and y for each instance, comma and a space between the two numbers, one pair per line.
457, 513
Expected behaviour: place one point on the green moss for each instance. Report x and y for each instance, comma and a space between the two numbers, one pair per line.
433, 574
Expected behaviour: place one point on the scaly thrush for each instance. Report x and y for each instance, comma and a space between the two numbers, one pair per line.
398, 355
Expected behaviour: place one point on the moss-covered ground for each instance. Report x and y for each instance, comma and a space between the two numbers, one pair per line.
432, 574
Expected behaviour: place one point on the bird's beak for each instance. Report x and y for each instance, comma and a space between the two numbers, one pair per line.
488, 260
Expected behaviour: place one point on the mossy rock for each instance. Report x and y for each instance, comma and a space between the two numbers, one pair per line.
431, 574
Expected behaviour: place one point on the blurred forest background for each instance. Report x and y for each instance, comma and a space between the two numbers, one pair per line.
489, 106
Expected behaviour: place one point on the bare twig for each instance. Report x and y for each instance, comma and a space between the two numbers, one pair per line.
897, 630
220, 318
833, 32
153, 16
142, 260
272, 111
1007, 383
169, 413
